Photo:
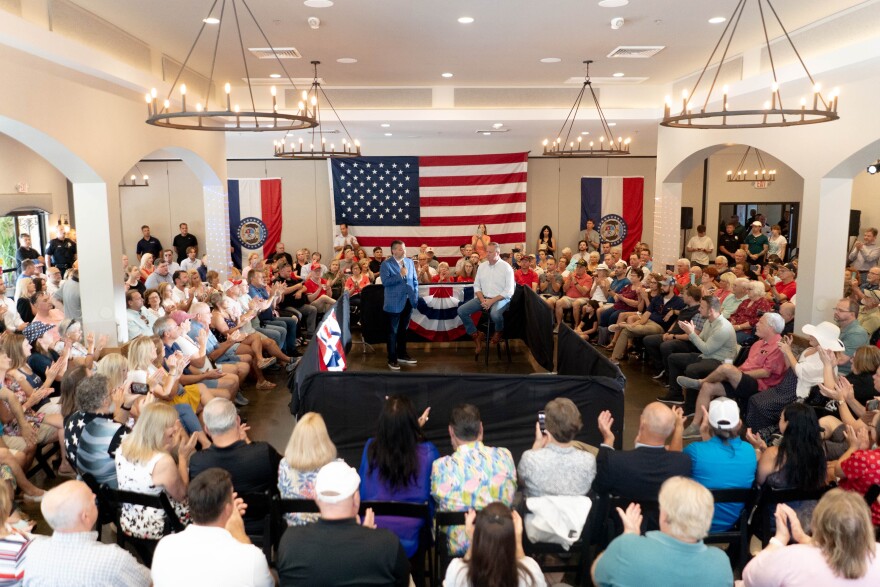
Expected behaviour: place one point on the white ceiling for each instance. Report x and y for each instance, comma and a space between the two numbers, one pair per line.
411, 42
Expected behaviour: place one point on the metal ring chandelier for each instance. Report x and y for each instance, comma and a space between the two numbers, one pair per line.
772, 114
233, 118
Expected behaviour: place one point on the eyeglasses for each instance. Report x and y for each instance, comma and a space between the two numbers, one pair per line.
843, 310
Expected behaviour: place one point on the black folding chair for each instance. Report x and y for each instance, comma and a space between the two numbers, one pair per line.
762, 517
613, 526
289, 506
737, 537
577, 559
261, 506
442, 521
115, 499
421, 561
43, 460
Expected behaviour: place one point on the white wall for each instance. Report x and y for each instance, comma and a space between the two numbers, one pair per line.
173, 196
866, 197
47, 186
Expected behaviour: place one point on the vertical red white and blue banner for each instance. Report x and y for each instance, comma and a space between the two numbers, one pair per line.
255, 218
435, 316
615, 205
331, 353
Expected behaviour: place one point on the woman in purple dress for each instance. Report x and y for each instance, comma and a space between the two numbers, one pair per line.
396, 466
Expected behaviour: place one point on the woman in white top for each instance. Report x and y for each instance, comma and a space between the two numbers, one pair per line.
841, 552
776, 242
144, 464
80, 354
495, 551
152, 309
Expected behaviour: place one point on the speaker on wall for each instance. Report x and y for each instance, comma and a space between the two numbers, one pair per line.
855, 220
687, 218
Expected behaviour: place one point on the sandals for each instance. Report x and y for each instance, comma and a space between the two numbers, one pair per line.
265, 384
266, 362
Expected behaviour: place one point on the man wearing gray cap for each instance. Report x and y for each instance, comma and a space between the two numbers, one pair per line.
339, 548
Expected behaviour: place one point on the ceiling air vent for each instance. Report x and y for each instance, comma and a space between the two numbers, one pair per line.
280, 52
636, 51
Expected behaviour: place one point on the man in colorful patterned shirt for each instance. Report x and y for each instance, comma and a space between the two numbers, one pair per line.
474, 476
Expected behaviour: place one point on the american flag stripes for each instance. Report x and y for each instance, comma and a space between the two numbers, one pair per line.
434, 200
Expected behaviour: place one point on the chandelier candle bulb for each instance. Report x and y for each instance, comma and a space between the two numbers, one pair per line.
133, 179
146, 180
724, 98
274, 98
149, 110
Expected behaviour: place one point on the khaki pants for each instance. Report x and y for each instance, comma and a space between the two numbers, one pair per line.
628, 332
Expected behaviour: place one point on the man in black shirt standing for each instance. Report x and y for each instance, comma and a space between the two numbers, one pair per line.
252, 465
149, 244
183, 241
729, 243
25, 251
61, 251
338, 548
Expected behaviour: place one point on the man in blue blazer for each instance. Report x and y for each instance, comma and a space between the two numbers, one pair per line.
401, 293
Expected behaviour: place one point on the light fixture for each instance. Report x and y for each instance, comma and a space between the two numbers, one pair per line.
211, 20
498, 125
220, 118
385, 125
388, 134
274, 75
742, 170
446, 75
487, 134
317, 145
717, 20
561, 147
551, 60
318, 3
773, 114
618, 74
133, 180
466, 20
873, 168
346, 60
613, 3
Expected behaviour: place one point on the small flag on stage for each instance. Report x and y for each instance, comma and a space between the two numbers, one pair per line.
255, 218
331, 353
615, 205
438, 201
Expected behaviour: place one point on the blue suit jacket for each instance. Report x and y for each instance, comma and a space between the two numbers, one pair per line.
397, 288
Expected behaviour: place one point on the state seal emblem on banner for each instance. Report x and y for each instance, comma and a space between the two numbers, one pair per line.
612, 229
252, 232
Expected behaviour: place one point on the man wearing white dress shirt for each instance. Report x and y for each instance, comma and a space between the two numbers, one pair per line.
493, 288
214, 549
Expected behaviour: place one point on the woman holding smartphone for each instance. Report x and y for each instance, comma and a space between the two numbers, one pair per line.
480, 241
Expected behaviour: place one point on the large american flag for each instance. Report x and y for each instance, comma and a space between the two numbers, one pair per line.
435, 200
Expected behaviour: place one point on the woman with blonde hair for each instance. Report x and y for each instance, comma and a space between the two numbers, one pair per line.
842, 550
146, 266
114, 367
468, 273
144, 464
308, 449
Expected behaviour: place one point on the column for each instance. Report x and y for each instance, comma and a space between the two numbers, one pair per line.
99, 248
667, 226
217, 229
824, 224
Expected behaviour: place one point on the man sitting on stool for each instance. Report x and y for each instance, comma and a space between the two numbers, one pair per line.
493, 288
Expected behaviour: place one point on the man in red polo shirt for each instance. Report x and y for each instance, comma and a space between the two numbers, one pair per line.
787, 287
576, 290
525, 275
317, 290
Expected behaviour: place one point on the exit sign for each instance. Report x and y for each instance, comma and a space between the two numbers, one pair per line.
760, 185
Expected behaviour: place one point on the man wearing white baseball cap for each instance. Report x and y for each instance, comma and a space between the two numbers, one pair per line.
338, 549
722, 460
817, 364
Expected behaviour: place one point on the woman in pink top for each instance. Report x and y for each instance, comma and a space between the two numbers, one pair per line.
841, 552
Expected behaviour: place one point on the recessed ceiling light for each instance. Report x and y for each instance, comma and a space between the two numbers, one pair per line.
211, 20
346, 60
717, 20
486, 134
498, 125
274, 75
618, 74
318, 3
384, 125
388, 134
466, 20
613, 3
612, 124
551, 60
586, 132
447, 74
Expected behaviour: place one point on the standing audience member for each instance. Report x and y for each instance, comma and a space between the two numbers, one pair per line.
700, 247
676, 553
61, 251
25, 252
865, 253
841, 551
473, 476
72, 556
396, 466
214, 549
183, 242
148, 244
340, 548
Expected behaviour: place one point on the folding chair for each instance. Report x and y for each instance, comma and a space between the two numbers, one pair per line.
580, 554
765, 508
419, 511
442, 557
115, 499
737, 537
